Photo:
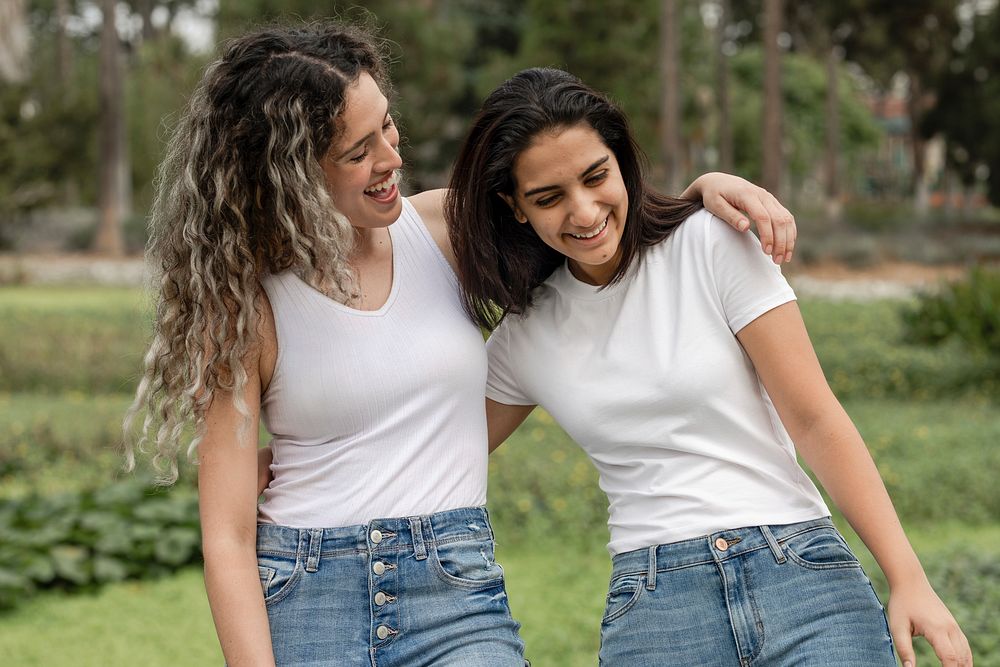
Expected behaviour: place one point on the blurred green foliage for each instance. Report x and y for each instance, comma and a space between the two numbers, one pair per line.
966, 311
81, 539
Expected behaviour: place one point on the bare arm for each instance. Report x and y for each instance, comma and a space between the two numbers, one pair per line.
502, 420
733, 199
227, 498
430, 206
828, 441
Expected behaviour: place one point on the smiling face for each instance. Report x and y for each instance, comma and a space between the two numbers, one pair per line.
361, 166
570, 190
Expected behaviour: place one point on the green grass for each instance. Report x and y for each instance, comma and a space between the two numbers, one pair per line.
164, 622
61, 339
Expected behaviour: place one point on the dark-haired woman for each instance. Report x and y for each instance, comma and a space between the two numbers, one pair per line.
297, 285
674, 354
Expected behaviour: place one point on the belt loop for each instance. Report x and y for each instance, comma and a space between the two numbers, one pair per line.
772, 543
417, 531
651, 573
315, 546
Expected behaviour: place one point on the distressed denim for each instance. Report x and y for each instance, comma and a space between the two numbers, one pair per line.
792, 595
401, 592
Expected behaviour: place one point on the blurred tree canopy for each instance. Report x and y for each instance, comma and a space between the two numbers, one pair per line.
446, 55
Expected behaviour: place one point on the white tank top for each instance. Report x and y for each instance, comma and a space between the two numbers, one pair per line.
376, 414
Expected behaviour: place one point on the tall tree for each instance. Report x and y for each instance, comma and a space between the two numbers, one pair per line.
113, 153
911, 38
722, 73
772, 157
14, 39
670, 94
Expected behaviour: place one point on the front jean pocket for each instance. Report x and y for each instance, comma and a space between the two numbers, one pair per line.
279, 574
623, 593
820, 549
467, 564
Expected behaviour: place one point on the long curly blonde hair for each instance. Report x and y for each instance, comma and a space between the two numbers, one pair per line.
239, 195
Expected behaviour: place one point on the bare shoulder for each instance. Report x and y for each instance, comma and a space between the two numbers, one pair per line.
430, 207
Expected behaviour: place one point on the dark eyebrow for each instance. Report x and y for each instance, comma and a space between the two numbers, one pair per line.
360, 142
546, 188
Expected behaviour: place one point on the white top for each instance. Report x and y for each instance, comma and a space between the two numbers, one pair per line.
649, 378
376, 414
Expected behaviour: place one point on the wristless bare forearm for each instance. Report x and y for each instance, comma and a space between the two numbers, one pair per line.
835, 452
237, 603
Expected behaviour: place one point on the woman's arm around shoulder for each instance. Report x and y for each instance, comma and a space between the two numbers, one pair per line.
430, 206
733, 199
227, 499
831, 446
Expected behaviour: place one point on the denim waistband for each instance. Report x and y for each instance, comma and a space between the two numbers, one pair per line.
378, 535
718, 546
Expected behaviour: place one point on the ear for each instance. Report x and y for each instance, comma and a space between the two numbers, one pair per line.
518, 214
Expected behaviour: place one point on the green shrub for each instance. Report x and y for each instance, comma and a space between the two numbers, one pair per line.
968, 311
74, 540
862, 349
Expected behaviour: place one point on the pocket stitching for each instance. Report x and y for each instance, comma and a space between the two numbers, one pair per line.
789, 551
286, 589
618, 613
458, 581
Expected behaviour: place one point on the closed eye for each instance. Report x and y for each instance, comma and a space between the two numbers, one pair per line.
597, 178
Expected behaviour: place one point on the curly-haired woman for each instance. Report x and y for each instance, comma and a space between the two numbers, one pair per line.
297, 285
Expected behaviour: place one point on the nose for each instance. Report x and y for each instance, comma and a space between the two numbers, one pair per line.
583, 209
388, 154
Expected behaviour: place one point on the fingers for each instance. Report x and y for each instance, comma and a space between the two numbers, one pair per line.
903, 640
783, 228
733, 216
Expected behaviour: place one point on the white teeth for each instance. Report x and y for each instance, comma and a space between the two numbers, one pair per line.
593, 233
384, 185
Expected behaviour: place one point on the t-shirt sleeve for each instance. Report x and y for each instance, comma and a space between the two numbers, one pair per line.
501, 380
748, 282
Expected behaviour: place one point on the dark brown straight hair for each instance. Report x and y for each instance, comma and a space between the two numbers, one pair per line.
501, 261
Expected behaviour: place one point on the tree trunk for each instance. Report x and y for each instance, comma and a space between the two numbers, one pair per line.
14, 41
722, 85
110, 239
771, 175
915, 108
833, 203
670, 143
145, 8
64, 62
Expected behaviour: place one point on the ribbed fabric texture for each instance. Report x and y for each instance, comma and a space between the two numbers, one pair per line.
376, 414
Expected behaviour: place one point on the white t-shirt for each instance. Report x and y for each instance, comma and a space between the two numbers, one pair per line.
648, 377
376, 413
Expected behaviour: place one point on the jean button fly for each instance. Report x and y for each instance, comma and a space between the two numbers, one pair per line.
721, 544
380, 598
381, 632
375, 536
378, 567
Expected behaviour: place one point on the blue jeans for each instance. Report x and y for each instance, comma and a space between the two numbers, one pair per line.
790, 595
395, 592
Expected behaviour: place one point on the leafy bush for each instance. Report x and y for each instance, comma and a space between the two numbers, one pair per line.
862, 350
968, 311
122, 531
